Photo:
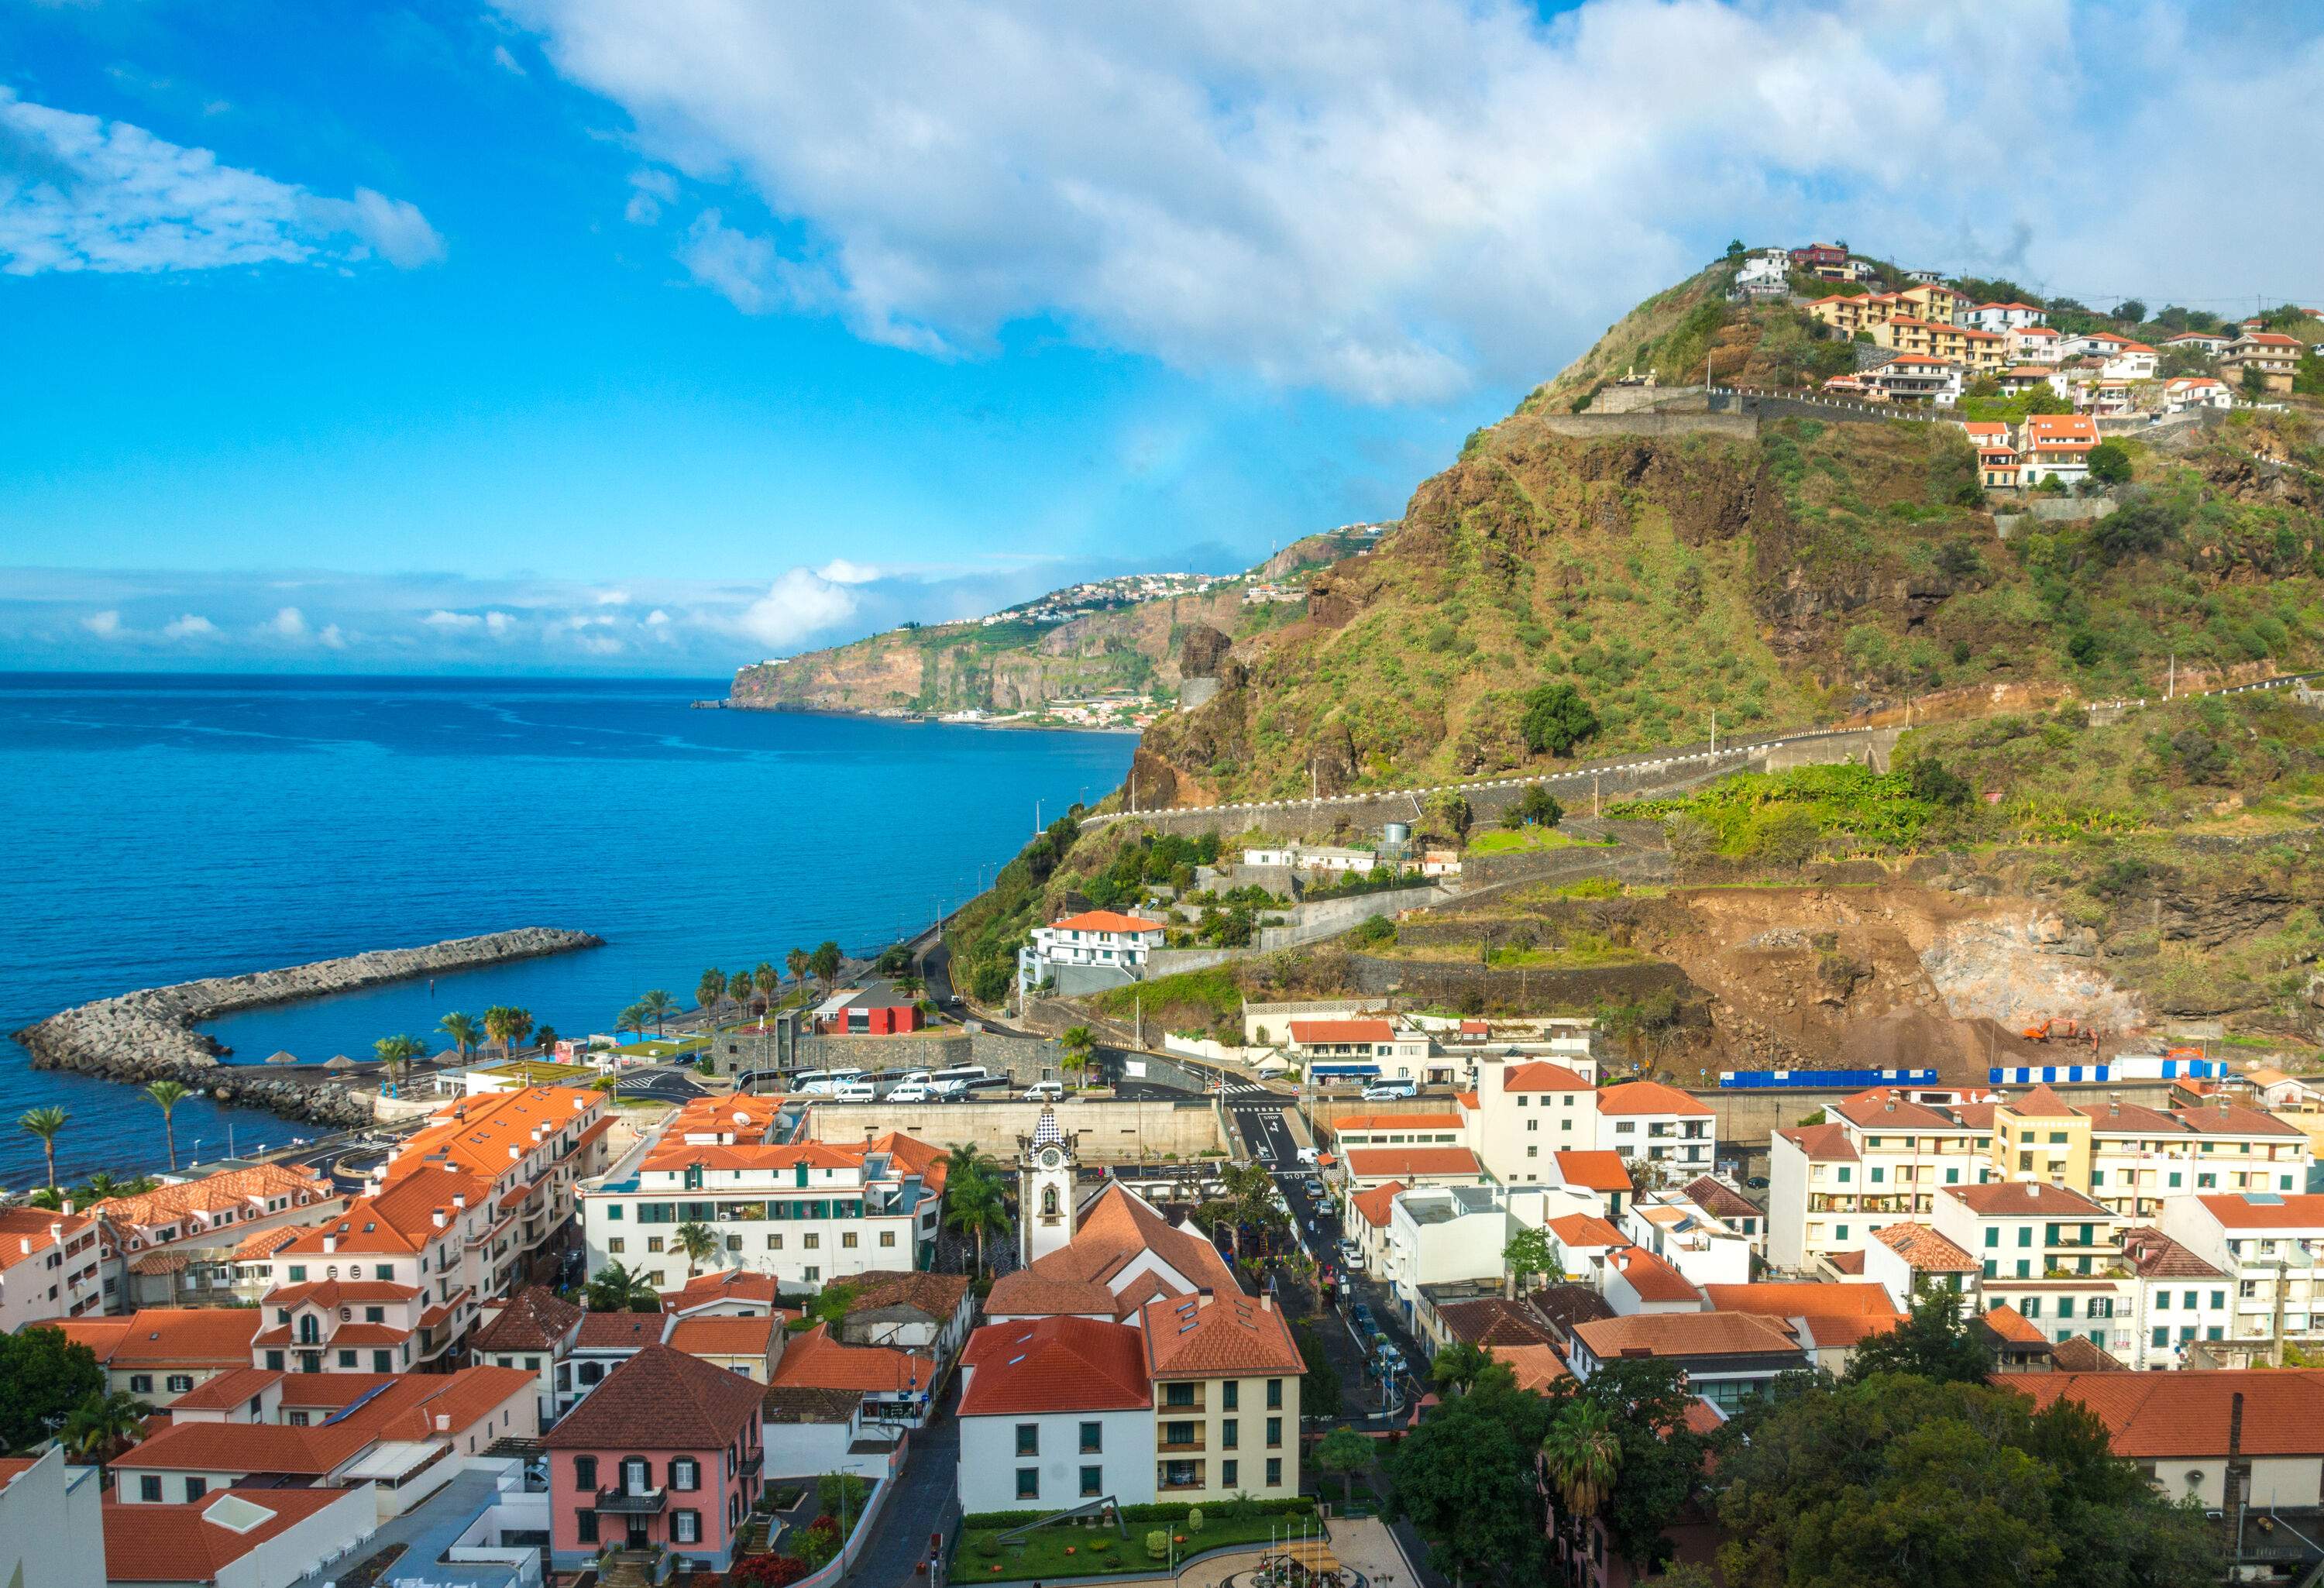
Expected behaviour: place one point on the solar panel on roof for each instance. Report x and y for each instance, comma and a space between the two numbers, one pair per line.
2262, 1199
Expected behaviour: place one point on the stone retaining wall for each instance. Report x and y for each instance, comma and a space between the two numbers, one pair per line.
1535, 990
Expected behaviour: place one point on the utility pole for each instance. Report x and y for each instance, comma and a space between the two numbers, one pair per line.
2170, 689
1593, 794
1714, 733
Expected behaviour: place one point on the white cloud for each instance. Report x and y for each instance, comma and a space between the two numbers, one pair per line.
840, 571
77, 193
657, 618
104, 624
332, 638
651, 189
1391, 197
456, 622
799, 603
191, 625
290, 623
499, 623
506, 62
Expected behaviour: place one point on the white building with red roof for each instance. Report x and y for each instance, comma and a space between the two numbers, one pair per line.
2033, 345
2002, 317
2210, 344
2270, 358
1362, 1048
2262, 1241
1659, 1124
1056, 1412
1084, 953
2181, 392
51, 1266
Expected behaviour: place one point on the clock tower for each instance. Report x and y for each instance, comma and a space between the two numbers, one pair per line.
1045, 1162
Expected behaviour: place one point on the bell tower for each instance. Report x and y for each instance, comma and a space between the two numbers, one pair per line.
1046, 1161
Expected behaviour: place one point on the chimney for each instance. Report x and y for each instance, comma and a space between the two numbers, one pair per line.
331, 1244
25, 1241
515, 1152
437, 1216
2031, 1189
69, 1205
57, 1234
1267, 1301
443, 1422
459, 1200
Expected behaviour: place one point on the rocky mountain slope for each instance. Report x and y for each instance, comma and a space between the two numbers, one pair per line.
1667, 567
1023, 663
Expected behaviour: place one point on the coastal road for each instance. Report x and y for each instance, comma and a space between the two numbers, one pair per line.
661, 1084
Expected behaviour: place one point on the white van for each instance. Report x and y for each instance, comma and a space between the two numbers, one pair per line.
910, 1091
1046, 1092
857, 1091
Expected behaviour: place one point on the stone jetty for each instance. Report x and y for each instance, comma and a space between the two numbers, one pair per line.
149, 1034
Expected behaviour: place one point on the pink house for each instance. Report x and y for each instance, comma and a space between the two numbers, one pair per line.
664, 1452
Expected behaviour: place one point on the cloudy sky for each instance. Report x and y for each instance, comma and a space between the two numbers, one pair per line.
628, 337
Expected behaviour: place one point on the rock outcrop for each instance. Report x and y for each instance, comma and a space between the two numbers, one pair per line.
149, 1034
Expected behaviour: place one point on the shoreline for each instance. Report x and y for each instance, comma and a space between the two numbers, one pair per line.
909, 718
149, 1034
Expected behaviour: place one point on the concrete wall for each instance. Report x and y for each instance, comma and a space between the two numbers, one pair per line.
1107, 1130
1864, 746
1593, 424
1329, 917
1170, 962
1615, 399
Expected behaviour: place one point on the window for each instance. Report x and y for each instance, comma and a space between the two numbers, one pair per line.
1275, 1471
347, 1359
887, 1237
617, 1244
1879, 1174
1179, 1394
149, 1487
195, 1488
774, 1243
1230, 1394
2065, 1307
1093, 1438
811, 1273
2031, 1308
2163, 1301
141, 1384
1840, 1233
386, 1270
297, 1273
1028, 1482
180, 1383
847, 1238
686, 1527
1274, 1433
382, 1361
585, 1522
1228, 1471
1093, 1482
654, 1244
1844, 1174
2025, 1268
686, 1474
1275, 1395
1992, 1236
2218, 1298
1029, 1438
637, 1475
1230, 1434
811, 1240
1952, 1176
2160, 1337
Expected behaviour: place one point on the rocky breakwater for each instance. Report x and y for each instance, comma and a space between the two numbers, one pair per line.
149, 1035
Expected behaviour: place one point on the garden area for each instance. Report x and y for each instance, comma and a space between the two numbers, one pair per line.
1087, 1549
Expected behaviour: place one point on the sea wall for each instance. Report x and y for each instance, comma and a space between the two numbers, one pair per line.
149, 1034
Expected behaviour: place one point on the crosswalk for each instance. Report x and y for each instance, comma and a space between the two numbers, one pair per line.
1245, 1089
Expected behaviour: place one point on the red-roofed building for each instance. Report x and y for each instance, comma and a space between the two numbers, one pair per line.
1216, 1361
2188, 1430
1414, 1166
2259, 1241
1638, 1281
1728, 1357
160, 1353
1055, 1411
1398, 1129
1083, 952
236, 1536
1122, 1255
1596, 1175
51, 1266
1648, 1119
2269, 358
531, 1147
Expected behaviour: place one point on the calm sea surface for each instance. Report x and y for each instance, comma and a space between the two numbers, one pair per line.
156, 830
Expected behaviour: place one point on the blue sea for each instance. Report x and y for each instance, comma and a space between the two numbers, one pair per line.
159, 828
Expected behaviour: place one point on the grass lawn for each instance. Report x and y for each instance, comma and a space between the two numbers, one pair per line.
1042, 1555
660, 1047
1526, 841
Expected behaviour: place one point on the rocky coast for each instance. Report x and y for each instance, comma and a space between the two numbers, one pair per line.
149, 1034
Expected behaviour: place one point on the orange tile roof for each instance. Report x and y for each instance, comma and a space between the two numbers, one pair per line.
1925, 1250
535, 1319
1685, 1333
725, 1336
1803, 1298
2154, 1255
1305, 1033
747, 1285
1026, 1293
1053, 1364
619, 1331
660, 1399
2012, 1325
1592, 1170
1466, 1099
1653, 1279
402, 1407
27, 1232
1106, 920
1115, 1229
1219, 1336
817, 1361
2155, 1416
1397, 1122
235, 1188
1633, 1097
1373, 1204
168, 1336
673, 1152
2028, 1199
2293, 1210
1826, 1143
1537, 1367
266, 1243
147, 1543
1582, 1229
2224, 1118
1542, 1076
228, 1391
397, 1221
1882, 1108
340, 1293
478, 1133
1368, 1163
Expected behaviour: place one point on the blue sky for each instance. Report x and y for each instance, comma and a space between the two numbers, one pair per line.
593, 335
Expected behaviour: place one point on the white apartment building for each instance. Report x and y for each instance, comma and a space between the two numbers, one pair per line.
2034, 345
51, 1266
2210, 344
1704, 1250
2024, 1230
2268, 1244
1095, 939
1359, 1050
2182, 393
1660, 1125
2180, 1299
1450, 1235
2002, 317
807, 1213
1314, 857
1055, 1412
1523, 1114
2132, 361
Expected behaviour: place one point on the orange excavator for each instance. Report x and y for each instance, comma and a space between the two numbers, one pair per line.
2060, 1028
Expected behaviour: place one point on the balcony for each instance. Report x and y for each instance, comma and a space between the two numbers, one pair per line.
752, 1460
1179, 1477
1164, 1445
621, 1502
1170, 1408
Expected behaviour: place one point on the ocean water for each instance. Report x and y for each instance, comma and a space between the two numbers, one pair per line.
160, 828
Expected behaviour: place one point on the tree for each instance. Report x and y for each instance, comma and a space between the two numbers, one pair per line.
658, 1006
1661, 1461
797, 961
2110, 463
1581, 1455
973, 1203
507, 1025
1895, 1480
1346, 1453
465, 1033
1080, 1042
1319, 1381
1536, 807
1734, 250
1531, 1252
710, 991
633, 1019
103, 1188
1935, 1342
766, 979
825, 962
101, 1427
1465, 1477
909, 985
1457, 1366
45, 1123
166, 1095
738, 988
617, 1288
2130, 310
43, 1376
545, 1037
396, 1053
698, 1241
1556, 718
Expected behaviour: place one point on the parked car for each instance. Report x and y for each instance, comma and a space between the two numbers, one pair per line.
1046, 1092
912, 1092
1350, 1253
857, 1091
1361, 1315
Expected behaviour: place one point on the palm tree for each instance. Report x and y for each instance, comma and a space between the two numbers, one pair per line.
545, 1040
166, 1095
699, 1244
909, 985
973, 1202
620, 1289
710, 991
102, 1427
1457, 1366
632, 1018
657, 1007
463, 1030
102, 1187
45, 1122
1080, 1042
738, 988
1581, 1455
797, 961
825, 962
1251, 1195
507, 1025
396, 1053
767, 978
47, 1198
